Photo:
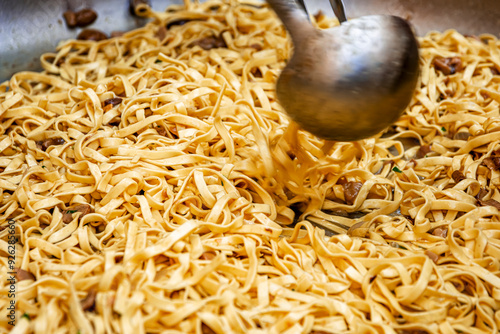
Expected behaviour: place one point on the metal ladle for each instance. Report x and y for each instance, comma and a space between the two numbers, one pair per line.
349, 82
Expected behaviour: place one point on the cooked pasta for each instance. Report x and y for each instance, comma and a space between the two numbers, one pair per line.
157, 186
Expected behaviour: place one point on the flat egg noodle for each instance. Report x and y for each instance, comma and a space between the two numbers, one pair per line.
157, 186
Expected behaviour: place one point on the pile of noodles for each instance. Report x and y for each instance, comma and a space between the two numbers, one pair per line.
172, 138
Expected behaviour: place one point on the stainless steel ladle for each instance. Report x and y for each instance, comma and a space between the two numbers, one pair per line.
349, 82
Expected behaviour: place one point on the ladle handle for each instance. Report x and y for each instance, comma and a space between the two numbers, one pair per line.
293, 17
338, 9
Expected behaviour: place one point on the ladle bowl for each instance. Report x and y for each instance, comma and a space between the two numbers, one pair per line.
349, 82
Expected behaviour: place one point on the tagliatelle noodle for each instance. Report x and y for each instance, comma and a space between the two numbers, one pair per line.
195, 176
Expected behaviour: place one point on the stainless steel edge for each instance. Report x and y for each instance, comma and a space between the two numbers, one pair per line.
29, 28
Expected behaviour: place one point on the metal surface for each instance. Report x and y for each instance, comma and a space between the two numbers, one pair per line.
339, 10
349, 82
29, 28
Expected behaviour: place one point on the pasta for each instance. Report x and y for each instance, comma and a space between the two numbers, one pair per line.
157, 187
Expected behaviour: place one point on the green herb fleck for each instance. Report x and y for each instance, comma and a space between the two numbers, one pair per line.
396, 245
157, 61
396, 169
26, 315
71, 211
44, 166
443, 129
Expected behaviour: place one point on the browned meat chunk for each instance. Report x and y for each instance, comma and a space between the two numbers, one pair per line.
88, 303
70, 18
489, 202
210, 42
91, 35
448, 65
44, 144
422, 151
492, 163
457, 176
113, 101
351, 190
83, 209
440, 232
82, 18
24, 275
433, 256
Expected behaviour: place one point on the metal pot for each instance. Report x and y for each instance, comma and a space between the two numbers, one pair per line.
29, 28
